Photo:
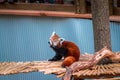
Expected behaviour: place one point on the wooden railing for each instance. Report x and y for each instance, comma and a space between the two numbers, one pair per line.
39, 7
80, 9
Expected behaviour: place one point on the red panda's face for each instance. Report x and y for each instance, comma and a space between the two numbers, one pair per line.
55, 41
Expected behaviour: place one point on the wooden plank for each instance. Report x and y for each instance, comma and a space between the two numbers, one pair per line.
35, 6
54, 67
115, 18
110, 70
44, 13
52, 13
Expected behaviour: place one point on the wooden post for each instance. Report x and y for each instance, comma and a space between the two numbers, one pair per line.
101, 26
111, 7
80, 6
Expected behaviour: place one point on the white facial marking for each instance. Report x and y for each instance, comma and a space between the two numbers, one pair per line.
61, 41
50, 42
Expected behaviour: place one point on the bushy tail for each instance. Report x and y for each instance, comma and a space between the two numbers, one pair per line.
68, 74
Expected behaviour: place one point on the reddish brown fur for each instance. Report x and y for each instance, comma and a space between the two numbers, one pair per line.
73, 53
63, 48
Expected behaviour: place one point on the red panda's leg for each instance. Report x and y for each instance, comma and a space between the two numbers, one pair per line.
68, 61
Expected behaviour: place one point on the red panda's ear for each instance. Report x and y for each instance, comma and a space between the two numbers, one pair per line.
53, 33
54, 36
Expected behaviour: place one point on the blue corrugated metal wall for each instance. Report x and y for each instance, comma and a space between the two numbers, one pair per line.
25, 38
115, 36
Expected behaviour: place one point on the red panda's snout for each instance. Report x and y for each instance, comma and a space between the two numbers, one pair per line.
55, 43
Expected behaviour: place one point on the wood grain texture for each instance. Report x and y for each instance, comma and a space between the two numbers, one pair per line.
54, 67
41, 6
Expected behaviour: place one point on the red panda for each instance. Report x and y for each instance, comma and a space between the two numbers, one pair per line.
63, 48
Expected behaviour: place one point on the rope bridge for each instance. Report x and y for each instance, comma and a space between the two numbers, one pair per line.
54, 67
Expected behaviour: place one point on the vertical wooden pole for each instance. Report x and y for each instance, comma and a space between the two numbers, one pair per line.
101, 26
111, 7
80, 6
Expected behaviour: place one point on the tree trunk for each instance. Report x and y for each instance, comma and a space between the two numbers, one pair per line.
100, 15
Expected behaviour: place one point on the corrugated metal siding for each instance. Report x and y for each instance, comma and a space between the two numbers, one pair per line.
25, 38
115, 36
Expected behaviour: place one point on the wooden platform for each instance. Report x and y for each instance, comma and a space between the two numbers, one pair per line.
7, 68
103, 71
47, 67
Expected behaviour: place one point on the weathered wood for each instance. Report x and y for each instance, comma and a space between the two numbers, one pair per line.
99, 57
100, 71
54, 67
80, 6
42, 7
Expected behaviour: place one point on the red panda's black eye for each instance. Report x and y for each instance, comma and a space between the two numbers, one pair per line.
48, 42
61, 39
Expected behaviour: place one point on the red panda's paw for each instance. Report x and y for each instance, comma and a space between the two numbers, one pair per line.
68, 61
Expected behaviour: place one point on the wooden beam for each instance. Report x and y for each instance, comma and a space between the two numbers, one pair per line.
44, 13
52, 14
35, 6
